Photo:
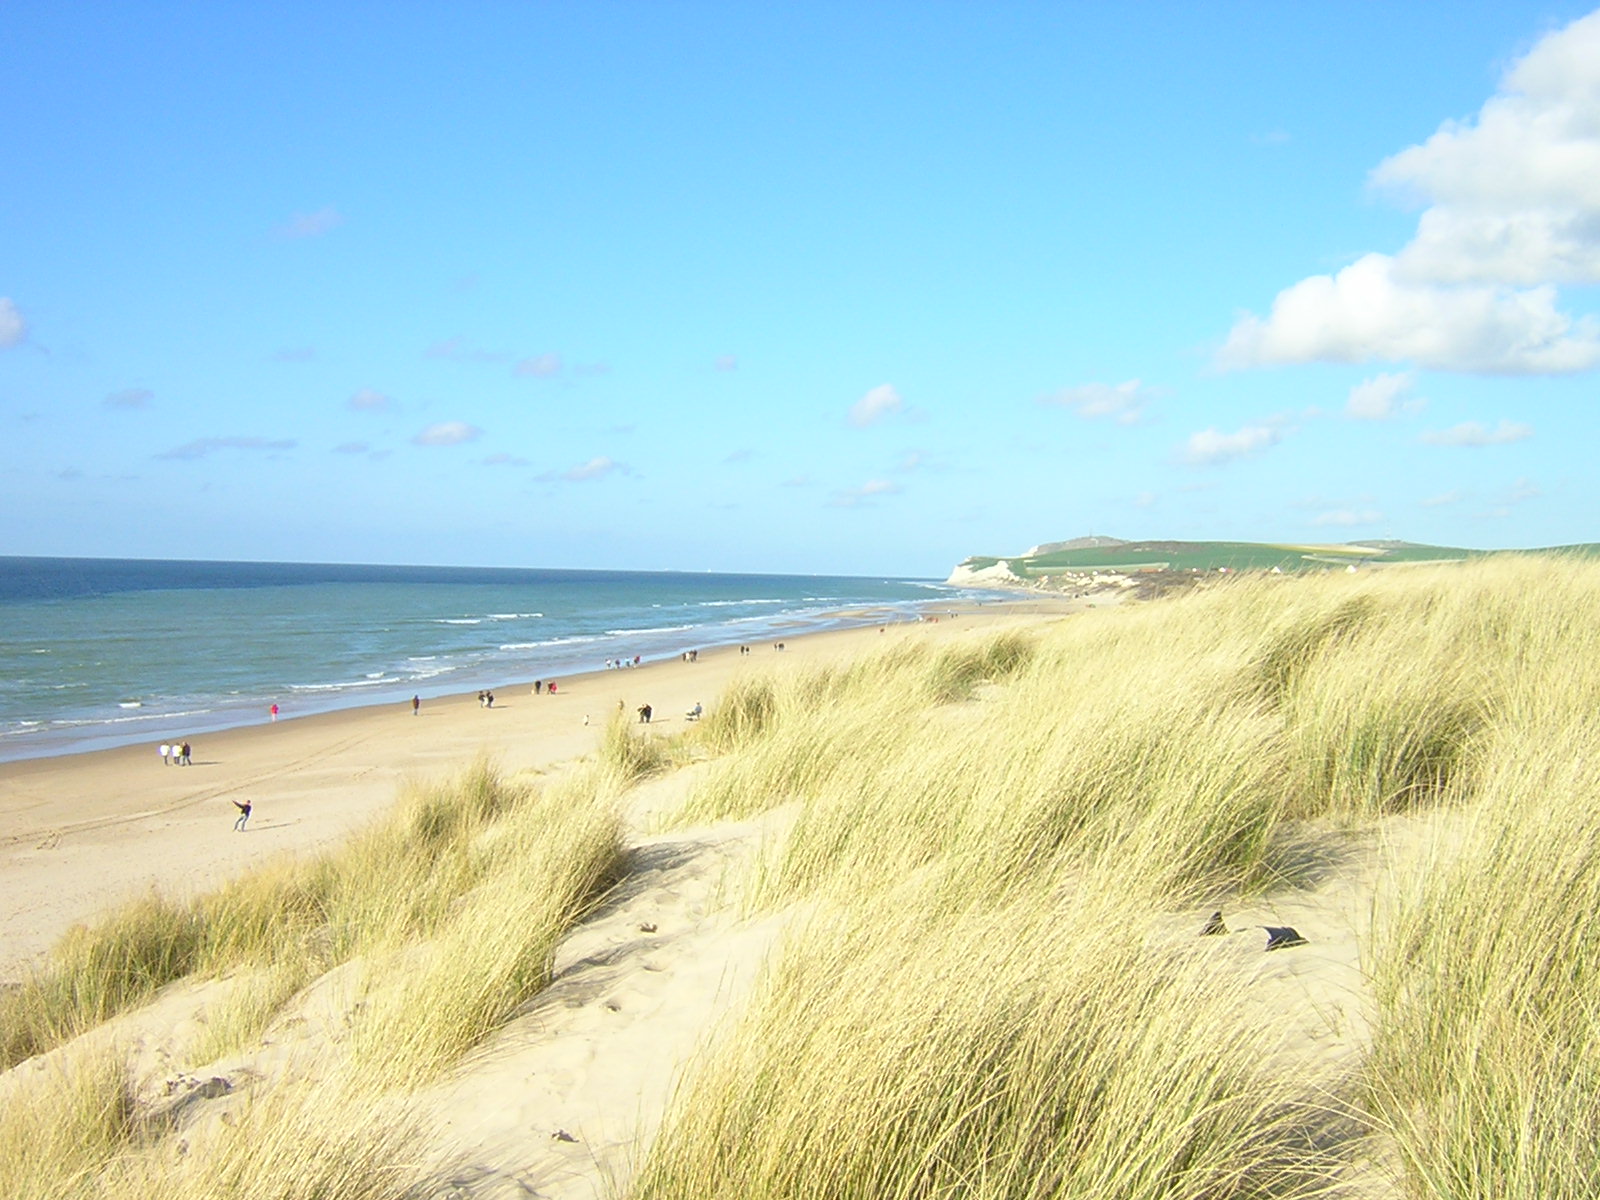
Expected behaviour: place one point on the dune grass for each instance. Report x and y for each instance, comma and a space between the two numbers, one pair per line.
629, 753
944, 1039
305, 1141
1487, 1059
75, 1133
454, 906
59, 1131
237, 1022
494, 952
97, 972
1025, 1050
391, 885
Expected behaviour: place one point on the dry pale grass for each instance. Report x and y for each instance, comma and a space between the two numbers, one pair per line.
61, 1127
426, 1008
1124, 766
1030, 1049
454, 907
1487, 1060
393, 883
327, 1140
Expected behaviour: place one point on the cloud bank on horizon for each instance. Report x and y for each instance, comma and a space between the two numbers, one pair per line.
740, 290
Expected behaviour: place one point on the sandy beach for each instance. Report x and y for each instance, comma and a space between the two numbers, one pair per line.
82, 833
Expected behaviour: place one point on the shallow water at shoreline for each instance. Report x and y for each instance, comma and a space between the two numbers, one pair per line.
101, 653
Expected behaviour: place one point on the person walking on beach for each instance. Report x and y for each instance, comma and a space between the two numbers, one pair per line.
416, 706
244, 814
185, 759
166, 754
274, 710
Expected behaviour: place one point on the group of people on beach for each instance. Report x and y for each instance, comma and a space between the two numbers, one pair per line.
176, 753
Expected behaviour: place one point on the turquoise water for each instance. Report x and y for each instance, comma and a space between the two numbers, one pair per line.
99, 652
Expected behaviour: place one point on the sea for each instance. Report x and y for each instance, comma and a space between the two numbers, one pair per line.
96, 653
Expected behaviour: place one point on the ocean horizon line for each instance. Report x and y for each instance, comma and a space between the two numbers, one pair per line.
375, 565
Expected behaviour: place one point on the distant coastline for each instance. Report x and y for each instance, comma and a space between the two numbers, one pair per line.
1104, 561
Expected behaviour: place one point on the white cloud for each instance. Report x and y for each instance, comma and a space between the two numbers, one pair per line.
1455, 496
296, 354
502, 459
1511, 208
1474, 433
1364, 313
726, 362
352, 448
371, 400
447, 433
13, 329
596, 468
1522, 248
1124, 402
1523, 489
1382, 397
312, 224
878, 403
130, 398
539, 366
1515, 194
1211, 446
201, 447
1349, 516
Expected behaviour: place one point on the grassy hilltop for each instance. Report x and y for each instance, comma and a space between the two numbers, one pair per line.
995, 857
1112, 555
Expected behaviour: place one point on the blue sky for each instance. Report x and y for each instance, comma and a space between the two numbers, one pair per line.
817, 288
